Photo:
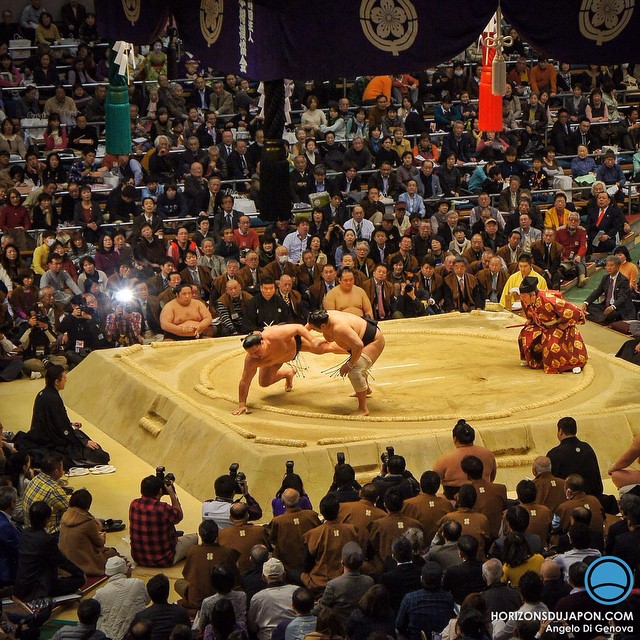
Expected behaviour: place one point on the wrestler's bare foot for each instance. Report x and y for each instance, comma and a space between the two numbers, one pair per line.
288, 385
361, 412
355, 395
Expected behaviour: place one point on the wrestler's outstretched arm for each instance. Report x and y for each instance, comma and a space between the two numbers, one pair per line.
248, 373
316, 344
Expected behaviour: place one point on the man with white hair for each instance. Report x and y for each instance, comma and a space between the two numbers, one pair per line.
498, 596
120, 599
550, 490
272, 605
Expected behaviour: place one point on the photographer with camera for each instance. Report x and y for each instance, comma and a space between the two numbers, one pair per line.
154, 539
291, 480
345, 486
407, 304
81, 333
394, 475
38, 344
123, 327
226, 488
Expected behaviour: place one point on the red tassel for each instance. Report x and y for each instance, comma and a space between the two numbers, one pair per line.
490, 106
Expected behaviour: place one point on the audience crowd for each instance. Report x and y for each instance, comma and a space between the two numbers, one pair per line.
393, 557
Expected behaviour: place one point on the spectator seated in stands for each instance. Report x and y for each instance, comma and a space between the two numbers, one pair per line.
88, 616
161, 615
120, 599
518, 558
202, 560
427, 610
324, 544
81, 537
273, 604
39, 560
343, 593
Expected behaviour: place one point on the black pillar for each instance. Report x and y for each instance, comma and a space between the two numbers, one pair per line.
275, 196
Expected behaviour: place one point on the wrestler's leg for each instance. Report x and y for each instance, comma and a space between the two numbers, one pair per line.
272, 374
358, 377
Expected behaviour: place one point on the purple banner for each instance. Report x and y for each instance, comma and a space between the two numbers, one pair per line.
136, 21
580, 31
312, 39
266, 40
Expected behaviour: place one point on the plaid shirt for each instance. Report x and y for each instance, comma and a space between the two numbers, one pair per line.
44, 487
152, 532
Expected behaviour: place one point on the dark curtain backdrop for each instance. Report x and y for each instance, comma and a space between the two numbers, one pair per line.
269, 39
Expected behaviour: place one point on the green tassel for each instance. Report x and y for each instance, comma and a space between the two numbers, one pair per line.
118, 123
118, 127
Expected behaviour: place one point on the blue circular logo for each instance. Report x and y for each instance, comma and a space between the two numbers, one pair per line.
608, 580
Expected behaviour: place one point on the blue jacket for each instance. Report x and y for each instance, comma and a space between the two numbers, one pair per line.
9, 541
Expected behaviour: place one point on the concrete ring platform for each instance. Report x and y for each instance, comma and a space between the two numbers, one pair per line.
171, 404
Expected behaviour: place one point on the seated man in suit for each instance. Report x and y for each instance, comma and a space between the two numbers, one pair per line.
194, 185
547, 254
149, 308
158, 283
380, 291
318, 181
462, 291
316, 292
604, 224
308, 271
465, 578
297, 307
250, 276
238, 166
197, 274
227, 218
430, 286
385, 181
348, 180
493, 279
210, 203
617, 304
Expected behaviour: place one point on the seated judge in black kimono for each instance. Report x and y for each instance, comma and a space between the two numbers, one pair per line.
51, 429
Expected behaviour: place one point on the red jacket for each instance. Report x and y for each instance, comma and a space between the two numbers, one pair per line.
12, 217
575, 243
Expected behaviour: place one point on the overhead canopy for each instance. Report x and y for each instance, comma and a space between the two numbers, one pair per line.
271, 39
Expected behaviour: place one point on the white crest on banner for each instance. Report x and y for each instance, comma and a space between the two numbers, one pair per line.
211, 13
604, 20
131, 10
389, 25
